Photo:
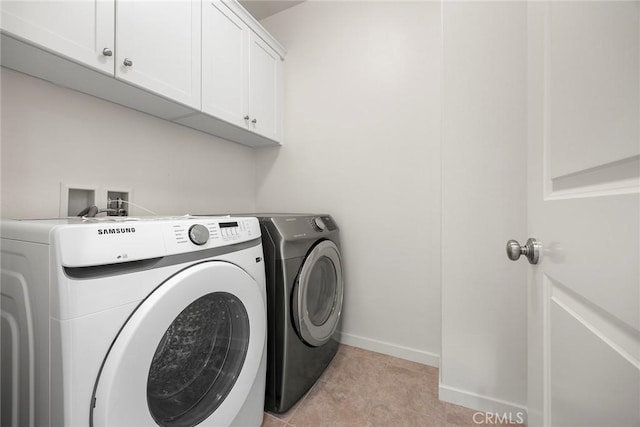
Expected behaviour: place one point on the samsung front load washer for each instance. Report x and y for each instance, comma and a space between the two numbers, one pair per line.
305, 288
133, 322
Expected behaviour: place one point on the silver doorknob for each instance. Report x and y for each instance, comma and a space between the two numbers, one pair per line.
532, 250
107, 52
127, 62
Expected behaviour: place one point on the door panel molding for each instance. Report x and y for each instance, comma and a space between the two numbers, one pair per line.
622, 338
600, 104
619, 177
591, 384
547, 285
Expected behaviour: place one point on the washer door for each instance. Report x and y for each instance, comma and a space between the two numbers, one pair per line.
318, 292
188, 355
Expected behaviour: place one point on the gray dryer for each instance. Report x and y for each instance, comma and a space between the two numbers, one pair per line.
305, 289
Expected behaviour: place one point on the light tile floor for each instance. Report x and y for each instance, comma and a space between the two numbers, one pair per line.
366, 389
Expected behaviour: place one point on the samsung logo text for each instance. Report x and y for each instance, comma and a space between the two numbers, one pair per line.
116, 230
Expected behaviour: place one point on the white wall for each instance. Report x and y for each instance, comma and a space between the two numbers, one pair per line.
362, 135
52, 135
484, 204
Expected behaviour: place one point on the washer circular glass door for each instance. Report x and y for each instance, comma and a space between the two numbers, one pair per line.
318, 293
188, 355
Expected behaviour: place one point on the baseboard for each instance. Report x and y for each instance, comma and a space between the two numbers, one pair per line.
503, 410
390, 349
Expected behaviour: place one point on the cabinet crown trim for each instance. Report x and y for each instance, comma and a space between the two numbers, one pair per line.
255, 26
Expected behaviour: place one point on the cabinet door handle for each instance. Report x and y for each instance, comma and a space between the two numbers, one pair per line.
246, 117
254, 121
127, 62
107, 52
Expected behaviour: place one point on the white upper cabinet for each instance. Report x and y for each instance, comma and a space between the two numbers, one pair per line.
225, 64
158, 47
82, 31
266, 90
241, 72
207, 64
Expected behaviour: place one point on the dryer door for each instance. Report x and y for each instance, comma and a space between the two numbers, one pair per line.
188, 355
318, 292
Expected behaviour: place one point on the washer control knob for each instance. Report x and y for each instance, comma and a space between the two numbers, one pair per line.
199, 234
318, 224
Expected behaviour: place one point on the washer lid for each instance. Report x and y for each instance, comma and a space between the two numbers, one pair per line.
159, 354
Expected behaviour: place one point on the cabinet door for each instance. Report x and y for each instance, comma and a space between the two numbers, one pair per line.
159, 47
225, 64
78, 30
265, 93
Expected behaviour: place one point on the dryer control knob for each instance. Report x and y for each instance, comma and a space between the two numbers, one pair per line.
199, 234
318, 224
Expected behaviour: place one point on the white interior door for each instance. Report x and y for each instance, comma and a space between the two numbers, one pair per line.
584, 169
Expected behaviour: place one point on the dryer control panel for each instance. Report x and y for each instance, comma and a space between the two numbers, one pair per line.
322, 223
295, 227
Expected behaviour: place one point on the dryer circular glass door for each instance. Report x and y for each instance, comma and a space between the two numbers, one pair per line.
188, 355
318, 293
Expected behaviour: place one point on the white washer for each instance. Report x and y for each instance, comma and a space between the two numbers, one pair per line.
134, 322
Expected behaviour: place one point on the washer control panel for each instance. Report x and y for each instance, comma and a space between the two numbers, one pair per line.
107, 242
230, 230
207, 232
